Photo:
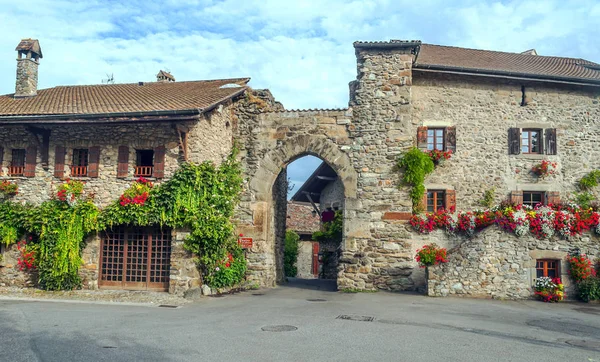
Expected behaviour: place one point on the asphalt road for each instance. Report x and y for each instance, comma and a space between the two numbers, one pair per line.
373, 327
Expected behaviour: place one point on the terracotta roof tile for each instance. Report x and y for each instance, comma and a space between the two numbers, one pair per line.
301, 220
122, 98
482, 61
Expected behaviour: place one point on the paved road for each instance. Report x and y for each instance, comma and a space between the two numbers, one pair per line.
404, 328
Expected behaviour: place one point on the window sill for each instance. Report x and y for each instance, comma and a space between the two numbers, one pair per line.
532, 156
9, 177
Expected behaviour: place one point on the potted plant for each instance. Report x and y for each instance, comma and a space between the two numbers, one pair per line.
549, 289
429, 255
544, 169
438, 156
8, 189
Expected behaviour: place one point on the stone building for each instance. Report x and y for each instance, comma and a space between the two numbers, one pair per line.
499, 113
107, 136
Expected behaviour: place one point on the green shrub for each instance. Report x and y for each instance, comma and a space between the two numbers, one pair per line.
417, 165
589, 289
290, 253
590, 180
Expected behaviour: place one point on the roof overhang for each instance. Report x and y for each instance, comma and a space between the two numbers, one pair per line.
116, 117
505, 74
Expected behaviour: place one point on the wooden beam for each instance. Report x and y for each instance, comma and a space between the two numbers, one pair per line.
312, 203
44, 145
327, 178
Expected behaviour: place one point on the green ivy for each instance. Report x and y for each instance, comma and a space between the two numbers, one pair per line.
331, 231
290, 253
199, 197
590, 180
417, 165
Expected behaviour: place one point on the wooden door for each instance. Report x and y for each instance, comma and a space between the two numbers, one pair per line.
136, 259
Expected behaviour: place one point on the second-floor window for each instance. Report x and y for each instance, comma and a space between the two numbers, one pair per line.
17, 163
531, 140
79, 167
435, 139
144, 165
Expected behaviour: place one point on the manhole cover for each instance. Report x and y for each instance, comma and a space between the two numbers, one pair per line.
584, 343
109, 347
168, 306
359, 318
588, 310
257, 294
317, 300
280, 328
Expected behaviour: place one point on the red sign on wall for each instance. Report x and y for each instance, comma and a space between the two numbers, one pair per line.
245, 243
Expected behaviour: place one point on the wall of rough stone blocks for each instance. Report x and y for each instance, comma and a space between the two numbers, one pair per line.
305, 260
332, 195
496, 264
483, 110
209, 139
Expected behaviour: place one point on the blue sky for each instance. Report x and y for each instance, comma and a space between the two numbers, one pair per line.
301, 50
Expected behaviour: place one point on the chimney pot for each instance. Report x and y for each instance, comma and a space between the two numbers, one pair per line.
27, 67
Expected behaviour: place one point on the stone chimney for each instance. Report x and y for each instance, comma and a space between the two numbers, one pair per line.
30, 53
163, 76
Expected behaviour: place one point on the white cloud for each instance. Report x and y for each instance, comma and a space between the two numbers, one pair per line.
301, 50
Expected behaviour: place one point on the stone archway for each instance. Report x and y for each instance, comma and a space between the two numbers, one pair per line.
267, 185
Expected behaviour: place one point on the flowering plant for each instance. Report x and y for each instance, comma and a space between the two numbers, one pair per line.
544, 169
137, 193
431, 255
438, 156
227, 271
8, 189
549, 289
580, 267
26, 258
70, 191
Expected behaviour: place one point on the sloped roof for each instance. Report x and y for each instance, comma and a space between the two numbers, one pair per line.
509, 64
123, 98
300, 218
315, 183
29, 44
488, 62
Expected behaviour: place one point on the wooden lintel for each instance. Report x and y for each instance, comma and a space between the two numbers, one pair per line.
327, 178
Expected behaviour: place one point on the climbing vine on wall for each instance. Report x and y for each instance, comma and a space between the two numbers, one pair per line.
416, 165
199, 197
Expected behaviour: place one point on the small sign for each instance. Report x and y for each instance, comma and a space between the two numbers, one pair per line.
245, 243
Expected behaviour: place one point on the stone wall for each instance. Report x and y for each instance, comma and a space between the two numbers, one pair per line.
483, 110
332, 195
304, 263
209, 139
27, 78
497, 264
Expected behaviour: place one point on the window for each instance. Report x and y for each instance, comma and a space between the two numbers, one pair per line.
144, 164
546, 268
436, 199
79, 168
533, 198
17, 163
531, 140
435, 139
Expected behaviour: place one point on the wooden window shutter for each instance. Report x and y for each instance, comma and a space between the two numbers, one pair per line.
516, 197
159, 162
514, 141
59, 161
30, 161
552, 198
94, 161
451, 139
423, 205
550, 141
123, 162
1, 159
450, 202
422, 138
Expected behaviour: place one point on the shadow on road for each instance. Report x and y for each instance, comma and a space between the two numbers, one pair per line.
324, 285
